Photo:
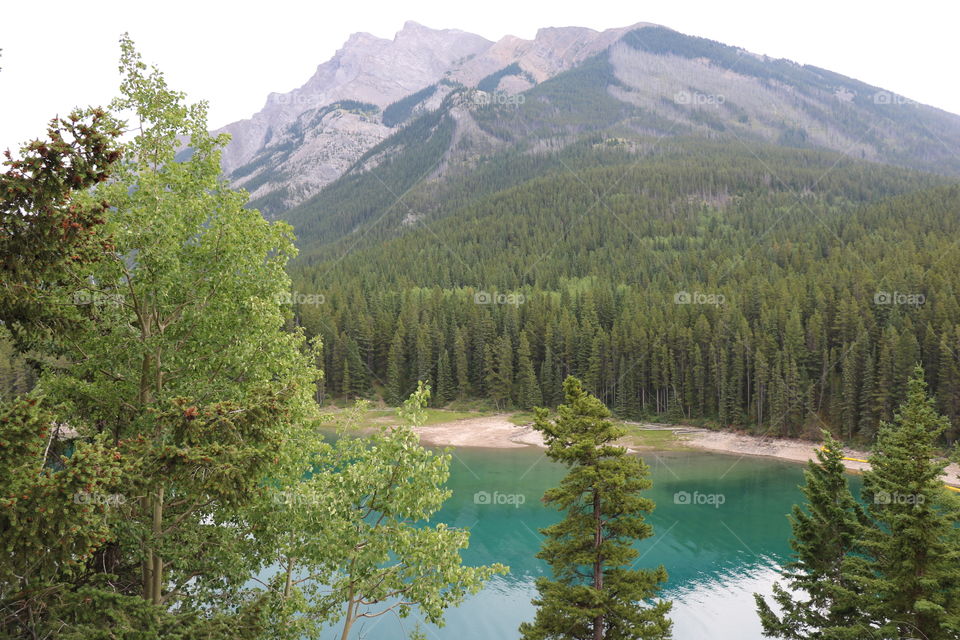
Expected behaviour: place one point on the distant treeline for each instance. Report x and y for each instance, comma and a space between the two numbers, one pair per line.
783, 299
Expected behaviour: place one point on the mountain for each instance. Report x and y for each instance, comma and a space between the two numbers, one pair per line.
698, 232
636, 82
310, 135
304, 139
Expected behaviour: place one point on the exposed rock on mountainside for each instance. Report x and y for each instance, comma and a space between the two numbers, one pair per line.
552, 50
630, 82
297, 143
366, 69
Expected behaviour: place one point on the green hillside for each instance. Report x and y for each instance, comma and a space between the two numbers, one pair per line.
770, 288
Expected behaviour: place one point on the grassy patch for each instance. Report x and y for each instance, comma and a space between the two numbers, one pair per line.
373, 418
662, 439
476, 405
437, 416
521, 418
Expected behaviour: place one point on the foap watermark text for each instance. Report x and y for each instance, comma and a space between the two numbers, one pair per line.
687, 498
497, 498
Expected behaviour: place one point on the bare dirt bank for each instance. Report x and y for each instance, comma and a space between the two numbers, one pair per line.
782, 448
497, 432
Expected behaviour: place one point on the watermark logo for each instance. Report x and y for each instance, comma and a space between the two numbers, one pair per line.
697, 297
687, 498
888, 97
302, 299
885, 497
97, 299
487, 498
698, 99
502, 98
289, 498
898, 298
844, 95
290, 99
105, 499
484, 297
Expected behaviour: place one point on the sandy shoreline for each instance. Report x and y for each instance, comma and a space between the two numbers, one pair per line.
780, 448
497, 432
492, 432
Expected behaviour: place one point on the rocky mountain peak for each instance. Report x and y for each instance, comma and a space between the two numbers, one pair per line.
642, 78
360, 38
413, 27
366, 69
296, 138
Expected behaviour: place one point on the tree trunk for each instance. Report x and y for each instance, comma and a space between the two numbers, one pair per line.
598, 562
348, 621
153, 564
152, 567
145, 565
289, 583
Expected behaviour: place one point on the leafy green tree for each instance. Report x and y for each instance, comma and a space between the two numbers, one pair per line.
949, 391
867, 426
594, 365
594, 592
884, 391
821, 599
369, 553
913, 556
316, 348
179, 361
849, 415
762, 374
356, 378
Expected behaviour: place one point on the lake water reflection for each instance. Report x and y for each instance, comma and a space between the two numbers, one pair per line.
720, 524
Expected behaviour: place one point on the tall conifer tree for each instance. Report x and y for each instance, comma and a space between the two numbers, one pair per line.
820, 597
912, 547
595, 593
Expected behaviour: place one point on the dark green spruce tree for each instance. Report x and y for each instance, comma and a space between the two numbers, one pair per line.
499, 377
912, 549
595, 593
446, 390
528, 389
395, 366
820, 600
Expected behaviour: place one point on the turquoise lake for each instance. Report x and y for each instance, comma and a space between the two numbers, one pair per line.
720, 531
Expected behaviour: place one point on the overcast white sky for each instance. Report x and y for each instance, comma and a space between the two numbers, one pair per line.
59, 54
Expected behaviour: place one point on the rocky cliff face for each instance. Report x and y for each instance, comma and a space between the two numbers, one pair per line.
366, 69
641, 80
306, 138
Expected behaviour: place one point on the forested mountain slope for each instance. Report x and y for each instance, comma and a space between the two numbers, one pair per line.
698, 232
744, 284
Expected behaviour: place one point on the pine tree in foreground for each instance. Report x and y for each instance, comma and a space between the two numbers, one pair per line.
820, 598
912, 546
595, 592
